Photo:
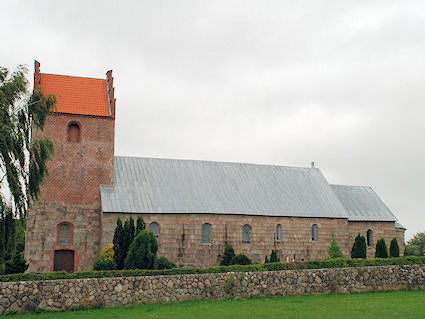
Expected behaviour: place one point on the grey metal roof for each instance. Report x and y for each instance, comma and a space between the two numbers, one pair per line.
362, 203
151, 185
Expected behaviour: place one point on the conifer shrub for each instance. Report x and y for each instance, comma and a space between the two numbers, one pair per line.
140, 225
228, 254
164, 263
394, 249
119, 245
142, 251
334, 250
266, 260
241, 259
104, 264
381, 249
274, 258
359, 247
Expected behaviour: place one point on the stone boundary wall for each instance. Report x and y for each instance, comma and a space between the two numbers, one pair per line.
59, 295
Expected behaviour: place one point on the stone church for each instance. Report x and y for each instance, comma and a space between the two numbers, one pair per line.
193, 207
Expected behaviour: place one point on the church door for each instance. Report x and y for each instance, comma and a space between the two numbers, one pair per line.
64, 260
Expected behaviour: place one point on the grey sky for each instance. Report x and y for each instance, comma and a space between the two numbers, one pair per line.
273, 82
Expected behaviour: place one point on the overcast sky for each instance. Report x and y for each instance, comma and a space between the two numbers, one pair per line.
341, 83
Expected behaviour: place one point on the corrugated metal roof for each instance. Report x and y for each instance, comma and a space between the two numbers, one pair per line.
151, 185
362, 203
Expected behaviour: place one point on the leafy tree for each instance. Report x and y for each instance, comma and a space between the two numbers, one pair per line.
381, 249
140, 225
274, 258
164, 263
119, 245
142, 251
107, 252
359, 247
416, 245
394, 249
23, 162
241, 259
228, 254
334, 250
266, 260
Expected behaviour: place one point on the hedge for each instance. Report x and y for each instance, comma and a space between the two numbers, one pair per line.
309, 264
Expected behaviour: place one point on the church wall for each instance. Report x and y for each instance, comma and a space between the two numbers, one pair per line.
71, 192
188, 250
380, 230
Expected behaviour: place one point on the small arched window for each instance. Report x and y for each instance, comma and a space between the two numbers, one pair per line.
73, 132
246, 234
206, 233
278, 232
154, 228
314, 232
64, 234
369, 236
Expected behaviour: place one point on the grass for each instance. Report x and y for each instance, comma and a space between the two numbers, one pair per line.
400, 304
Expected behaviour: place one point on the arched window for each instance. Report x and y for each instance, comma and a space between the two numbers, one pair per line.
64, 234
246, 234
278, 232
314, 232
206, 233
73, 132
154, 228
369, 236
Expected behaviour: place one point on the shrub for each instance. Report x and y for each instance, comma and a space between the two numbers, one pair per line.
107, 252
140, 225
228, 254
359, 247
142, 252
241, 259
104, 264
394, 249
164, 263
416, 245
381, 249
274, 258
334, 250
118, 244
266, 260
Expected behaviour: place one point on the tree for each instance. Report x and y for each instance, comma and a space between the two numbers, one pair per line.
394, 249
142, 251
228, 254
140, 225
266, 260
334, 250
359, 247
416, 245
274, 258
107, 252
381, 249
23, 162
119, 245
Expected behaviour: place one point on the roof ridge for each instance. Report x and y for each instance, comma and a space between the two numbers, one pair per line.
74, 76
211, 161
357, 186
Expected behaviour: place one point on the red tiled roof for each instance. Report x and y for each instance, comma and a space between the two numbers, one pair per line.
77, 95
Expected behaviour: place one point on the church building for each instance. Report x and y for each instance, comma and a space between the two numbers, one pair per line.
193, 207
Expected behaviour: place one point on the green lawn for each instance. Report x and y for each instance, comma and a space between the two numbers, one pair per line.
402, 304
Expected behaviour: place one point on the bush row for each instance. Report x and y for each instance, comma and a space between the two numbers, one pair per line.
310, 264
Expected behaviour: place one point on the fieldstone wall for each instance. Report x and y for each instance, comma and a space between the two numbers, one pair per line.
59, 295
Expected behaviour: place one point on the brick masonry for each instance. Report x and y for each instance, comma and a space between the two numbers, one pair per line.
180, 236
71, 192
60, 295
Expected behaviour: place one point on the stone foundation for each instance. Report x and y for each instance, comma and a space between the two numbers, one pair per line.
59, 295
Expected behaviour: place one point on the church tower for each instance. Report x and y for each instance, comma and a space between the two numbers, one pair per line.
64, 226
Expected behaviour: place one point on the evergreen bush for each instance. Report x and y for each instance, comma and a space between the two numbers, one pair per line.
334, 250
274, 258
266, 260
119, 245
359, 247
381, 249
104, 264
241, 259
164, 263
140, 225
228, 254
394, 249
142, 252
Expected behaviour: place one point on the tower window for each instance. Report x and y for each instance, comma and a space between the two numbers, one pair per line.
73, 132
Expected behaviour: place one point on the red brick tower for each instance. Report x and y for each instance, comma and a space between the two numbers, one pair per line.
64, 227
